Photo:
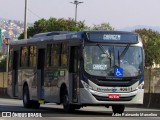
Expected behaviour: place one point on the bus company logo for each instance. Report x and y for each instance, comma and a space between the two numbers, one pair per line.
111, 37
14, 114
114, 89
107, 89
6, 114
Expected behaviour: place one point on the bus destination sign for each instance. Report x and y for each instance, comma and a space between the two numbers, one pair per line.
110, 37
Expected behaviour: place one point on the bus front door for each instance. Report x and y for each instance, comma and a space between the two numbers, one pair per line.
40, 74
74, 73
15, 74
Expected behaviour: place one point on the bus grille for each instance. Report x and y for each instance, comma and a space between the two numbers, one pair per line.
114, 82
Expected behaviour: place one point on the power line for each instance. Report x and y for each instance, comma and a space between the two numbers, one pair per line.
34, 14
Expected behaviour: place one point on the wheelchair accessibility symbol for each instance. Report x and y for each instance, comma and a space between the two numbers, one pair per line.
118, 72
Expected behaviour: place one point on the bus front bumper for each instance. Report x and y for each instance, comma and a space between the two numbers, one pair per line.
93, 97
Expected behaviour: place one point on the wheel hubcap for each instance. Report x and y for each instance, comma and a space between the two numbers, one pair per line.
25, 98
66, 100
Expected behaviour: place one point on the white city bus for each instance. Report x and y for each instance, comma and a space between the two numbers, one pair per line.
87, 68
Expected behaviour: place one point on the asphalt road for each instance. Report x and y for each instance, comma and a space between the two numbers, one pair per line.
14, 108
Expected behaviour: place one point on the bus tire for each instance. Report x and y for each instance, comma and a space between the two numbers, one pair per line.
66, 105
118, 109
26, 99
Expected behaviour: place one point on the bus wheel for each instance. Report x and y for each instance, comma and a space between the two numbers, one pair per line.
118, 109
26, 99
66, 106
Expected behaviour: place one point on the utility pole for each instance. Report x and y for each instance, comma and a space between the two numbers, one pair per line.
76, 2
25, 20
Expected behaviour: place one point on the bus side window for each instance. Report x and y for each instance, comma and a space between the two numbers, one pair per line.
64, 55
35, 56
48, 55
32, 56
55, 58
24, 57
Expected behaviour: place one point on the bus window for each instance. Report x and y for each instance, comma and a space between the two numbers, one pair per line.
48, 57
55, 58
35, 56
64, 55
32, 55
24, 57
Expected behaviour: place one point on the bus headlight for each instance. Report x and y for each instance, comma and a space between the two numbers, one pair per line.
85, 85
141, 86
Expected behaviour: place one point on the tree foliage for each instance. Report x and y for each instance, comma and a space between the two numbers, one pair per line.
2, 63
54, 24
103, 26
1, 54
151, 42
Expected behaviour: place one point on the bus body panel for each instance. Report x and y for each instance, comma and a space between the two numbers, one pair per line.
52, 84
28, 77
9, 87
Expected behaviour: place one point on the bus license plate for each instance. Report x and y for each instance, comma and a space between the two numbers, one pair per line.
114, 96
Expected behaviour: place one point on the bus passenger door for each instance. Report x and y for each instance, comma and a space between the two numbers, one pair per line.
73, 74
15, 74
40, 74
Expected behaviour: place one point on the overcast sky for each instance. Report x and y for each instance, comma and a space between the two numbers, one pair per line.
119, 13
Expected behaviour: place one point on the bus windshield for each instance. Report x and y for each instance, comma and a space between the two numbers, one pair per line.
103, 60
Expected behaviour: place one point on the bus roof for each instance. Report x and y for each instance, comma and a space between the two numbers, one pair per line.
91, 36
51, 33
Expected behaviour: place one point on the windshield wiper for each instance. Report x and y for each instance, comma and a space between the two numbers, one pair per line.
105, 52
118, 59
124, 52
120, 56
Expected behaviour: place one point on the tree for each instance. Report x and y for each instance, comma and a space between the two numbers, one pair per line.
2, 63
1, 54
151, 42
103, 26
54, 24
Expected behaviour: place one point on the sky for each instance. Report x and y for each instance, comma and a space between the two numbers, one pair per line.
119, 13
